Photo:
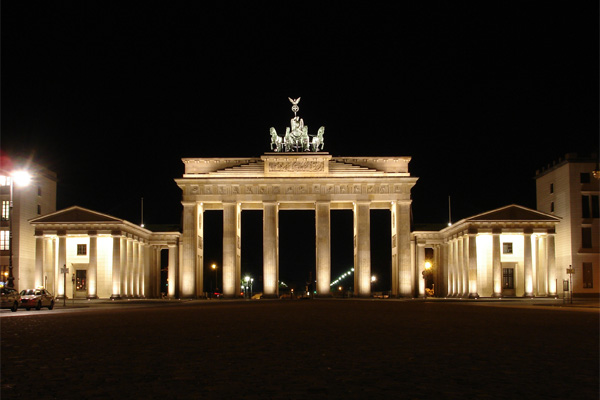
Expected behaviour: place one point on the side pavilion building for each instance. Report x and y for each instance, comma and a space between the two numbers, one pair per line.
105, 257
295, 181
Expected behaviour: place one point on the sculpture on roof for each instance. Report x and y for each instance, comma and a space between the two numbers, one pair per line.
296, 135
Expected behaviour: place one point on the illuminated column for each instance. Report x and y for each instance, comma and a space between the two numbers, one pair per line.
62, 263
403, 275
50, 265
270, 250
231, 249
323, 247
472, 254
187, 270
460, 266
496, 264
527, 264
464, 241
172, 272
421, 268
362, 249
124, 257
542, 266
200, 250
116, 266
395, 266
130, 267
449, 267
39, 259
551, 262
92, 271
143, 270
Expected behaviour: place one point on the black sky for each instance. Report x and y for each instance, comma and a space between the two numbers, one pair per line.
111, 96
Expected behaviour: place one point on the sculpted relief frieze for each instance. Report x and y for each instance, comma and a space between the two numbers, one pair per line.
296, 166
219, 190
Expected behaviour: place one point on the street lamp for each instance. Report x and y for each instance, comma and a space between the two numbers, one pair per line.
249, 282
214, 267
21, 179
425, 273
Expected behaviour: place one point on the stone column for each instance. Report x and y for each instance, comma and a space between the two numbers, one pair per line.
362, 249
124, 272
172, 272
551, 263
527, 264
187, 270
231, 247
460, 266
270, 250
403, 275
465, 264
323, 247
542, 267
92, 271
421, 268
143, 271
116, 266
472, 254
39, 259
200, 250
50, 265
130, 267
496, 264
62, 263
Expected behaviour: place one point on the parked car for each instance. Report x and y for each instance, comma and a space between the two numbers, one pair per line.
37, 298
10, 298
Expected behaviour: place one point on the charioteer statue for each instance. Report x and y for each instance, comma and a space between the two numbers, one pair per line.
296, 135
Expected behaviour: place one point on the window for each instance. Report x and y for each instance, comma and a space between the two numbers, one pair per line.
595, 206
552, 206
5, 210
588, 277
585, 206
590, 206
584, 177
39, 210
4, 240
82, 249
4, 180
586, 238
552, 188
507, 248
39, 190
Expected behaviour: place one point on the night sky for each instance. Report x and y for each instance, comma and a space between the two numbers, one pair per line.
112, 96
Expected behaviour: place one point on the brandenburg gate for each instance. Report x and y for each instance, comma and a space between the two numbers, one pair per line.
295, 175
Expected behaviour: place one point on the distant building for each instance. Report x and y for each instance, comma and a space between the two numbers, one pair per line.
569, 190
33, 200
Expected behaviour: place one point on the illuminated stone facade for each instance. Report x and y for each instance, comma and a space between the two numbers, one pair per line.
295, 181
106, 257
507, 252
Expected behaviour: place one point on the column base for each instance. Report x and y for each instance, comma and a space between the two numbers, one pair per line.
92, 297
497, 295
529, 295
473, 295
115, 297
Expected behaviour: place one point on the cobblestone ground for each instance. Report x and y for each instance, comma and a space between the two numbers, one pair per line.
320, 349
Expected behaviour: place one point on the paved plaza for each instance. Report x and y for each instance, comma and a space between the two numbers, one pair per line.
301, 349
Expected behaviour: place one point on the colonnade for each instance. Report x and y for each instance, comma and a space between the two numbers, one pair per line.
191, 269
130, 265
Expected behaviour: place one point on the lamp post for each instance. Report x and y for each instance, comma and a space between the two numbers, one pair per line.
22, 179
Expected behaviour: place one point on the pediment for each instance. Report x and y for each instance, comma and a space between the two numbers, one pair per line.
75, 214
514, 213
